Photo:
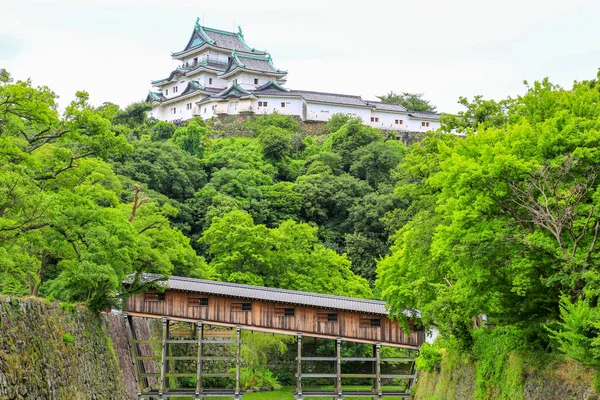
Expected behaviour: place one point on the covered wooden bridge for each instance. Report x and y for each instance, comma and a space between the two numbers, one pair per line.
302, 314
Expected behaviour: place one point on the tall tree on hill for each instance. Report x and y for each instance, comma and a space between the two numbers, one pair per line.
412, 101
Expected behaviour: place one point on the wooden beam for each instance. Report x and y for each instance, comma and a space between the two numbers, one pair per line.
163, 365
276, 330
378, 369
299, 368
199, 365
338, 380
238, 335
134, 354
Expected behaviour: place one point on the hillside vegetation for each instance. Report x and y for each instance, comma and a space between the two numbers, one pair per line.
492, 236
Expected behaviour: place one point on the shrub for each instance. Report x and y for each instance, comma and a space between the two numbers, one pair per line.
68, 338
430, 357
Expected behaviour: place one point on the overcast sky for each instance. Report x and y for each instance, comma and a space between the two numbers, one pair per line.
444, 49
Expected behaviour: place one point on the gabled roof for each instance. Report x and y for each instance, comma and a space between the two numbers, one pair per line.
178, 71
252, 63
202, 36
234, 90
271, 85
154, 97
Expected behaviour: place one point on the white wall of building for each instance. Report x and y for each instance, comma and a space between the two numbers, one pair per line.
323, 112
204, 78
274, 104
183, 109
247, 80
416, 125
386, 120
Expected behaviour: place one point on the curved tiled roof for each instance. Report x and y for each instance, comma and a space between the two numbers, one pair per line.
202, 35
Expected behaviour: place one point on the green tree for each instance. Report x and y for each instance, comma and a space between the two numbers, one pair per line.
512, 218
192, 138
411, 101
289, 257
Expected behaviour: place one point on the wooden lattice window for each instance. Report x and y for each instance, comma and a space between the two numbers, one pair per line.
241, 306
285, 311
153, 296
327, 317
368, 322
198, 301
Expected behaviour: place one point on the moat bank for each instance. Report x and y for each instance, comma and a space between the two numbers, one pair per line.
514, 378
54, 354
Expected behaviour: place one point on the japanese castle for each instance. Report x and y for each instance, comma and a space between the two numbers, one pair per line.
220, 74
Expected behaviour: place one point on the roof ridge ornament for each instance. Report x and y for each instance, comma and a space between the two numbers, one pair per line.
240, 34
197, 26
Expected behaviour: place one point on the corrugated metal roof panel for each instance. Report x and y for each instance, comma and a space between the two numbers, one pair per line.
277, 295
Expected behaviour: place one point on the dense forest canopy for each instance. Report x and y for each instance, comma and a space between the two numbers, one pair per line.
500, 224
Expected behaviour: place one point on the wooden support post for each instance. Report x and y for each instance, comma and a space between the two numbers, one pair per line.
238, 362
133, 348
378, 369
164, 361
200, 361
413, 371
299, 369
338, 382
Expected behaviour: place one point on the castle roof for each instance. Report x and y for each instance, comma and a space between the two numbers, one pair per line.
203, 36
251, 63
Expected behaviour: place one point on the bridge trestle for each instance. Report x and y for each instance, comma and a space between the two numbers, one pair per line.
165, 361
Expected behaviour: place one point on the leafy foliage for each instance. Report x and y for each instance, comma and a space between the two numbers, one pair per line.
411, 101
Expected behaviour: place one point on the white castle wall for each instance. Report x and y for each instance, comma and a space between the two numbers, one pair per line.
292, 106
323, 112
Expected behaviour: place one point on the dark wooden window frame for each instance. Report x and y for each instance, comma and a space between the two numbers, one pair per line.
198, 302
241, 306
327, 317
154, 296
369, 322
285, 312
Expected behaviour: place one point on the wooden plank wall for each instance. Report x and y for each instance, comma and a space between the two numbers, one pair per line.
304, 321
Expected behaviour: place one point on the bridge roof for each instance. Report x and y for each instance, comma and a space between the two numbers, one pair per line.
279, 295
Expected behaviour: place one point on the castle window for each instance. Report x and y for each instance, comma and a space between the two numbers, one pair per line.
374, 119
368, 322
399, 122
326, 317
424, 123
210, 81
282, 105
260, 103
166, 92
241, 306
284, 312
204, 110
189, 106
175, 89
256, 81
195, 60
174, 109
154, 296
